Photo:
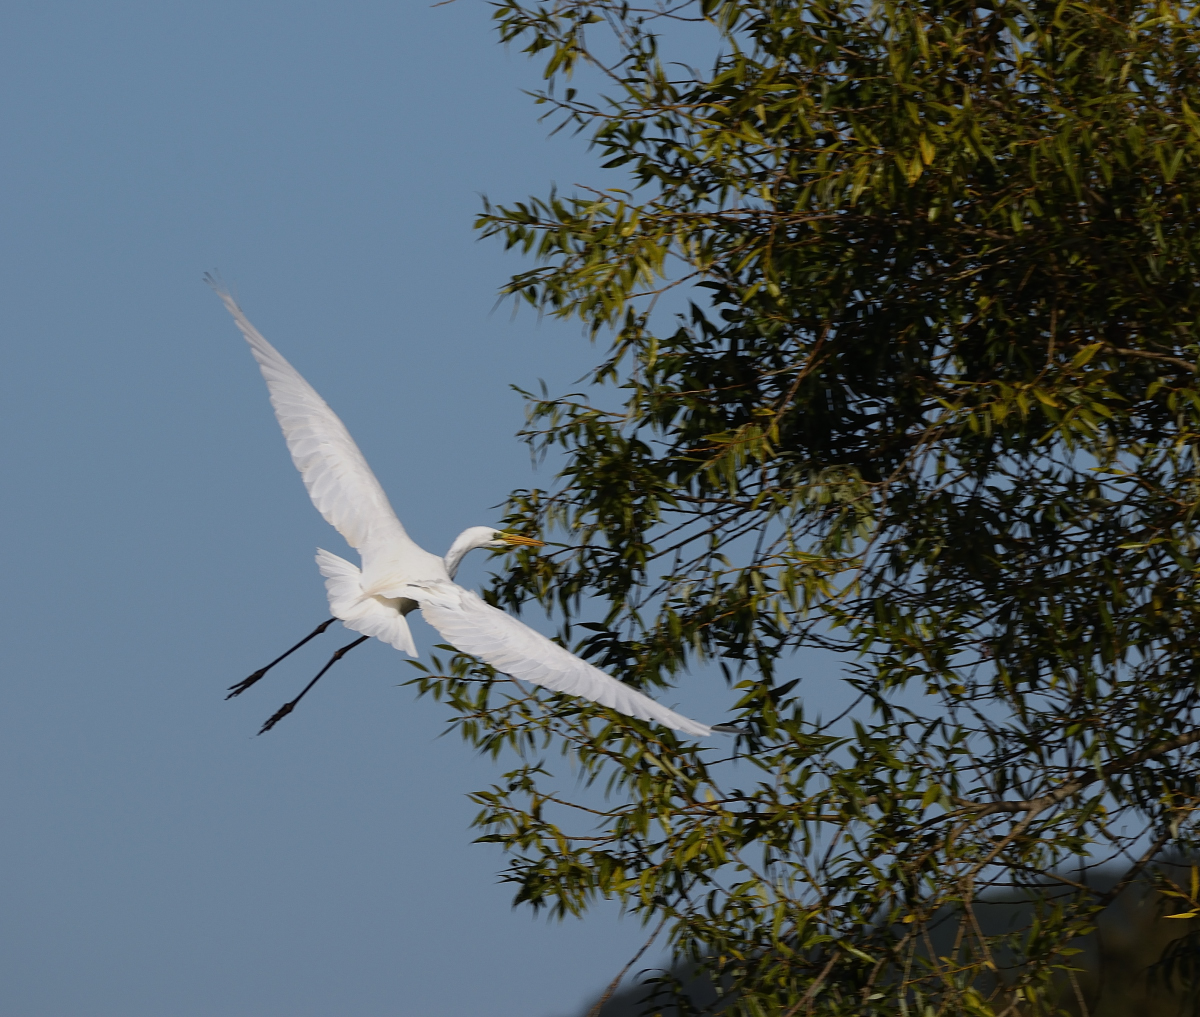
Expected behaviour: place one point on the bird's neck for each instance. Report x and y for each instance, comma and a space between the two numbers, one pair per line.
453, 558
458, 551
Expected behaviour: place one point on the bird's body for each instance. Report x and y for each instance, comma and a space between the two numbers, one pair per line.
397, 576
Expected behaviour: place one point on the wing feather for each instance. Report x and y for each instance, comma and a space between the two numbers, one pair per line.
337, 477
473, 626
381, 617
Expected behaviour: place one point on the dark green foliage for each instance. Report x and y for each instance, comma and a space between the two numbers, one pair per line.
934, 407
1121, 963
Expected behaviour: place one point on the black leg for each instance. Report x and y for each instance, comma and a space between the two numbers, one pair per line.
245, 683
287, 708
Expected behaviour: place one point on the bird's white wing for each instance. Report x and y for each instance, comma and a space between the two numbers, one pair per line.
473, 626
381, 617
339, 481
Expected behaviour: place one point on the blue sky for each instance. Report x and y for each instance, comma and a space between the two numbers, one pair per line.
328, 160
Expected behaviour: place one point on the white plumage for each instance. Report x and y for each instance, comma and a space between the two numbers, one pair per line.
397, 575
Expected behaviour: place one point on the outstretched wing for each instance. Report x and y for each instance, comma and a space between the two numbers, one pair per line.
473, 626
339, 481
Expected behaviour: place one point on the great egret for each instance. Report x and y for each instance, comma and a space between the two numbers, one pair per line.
397, 576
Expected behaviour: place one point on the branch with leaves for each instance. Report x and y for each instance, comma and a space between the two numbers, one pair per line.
903, 301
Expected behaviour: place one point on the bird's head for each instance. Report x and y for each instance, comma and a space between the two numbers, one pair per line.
484, 536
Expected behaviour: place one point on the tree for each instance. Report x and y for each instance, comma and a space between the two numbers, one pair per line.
933, 406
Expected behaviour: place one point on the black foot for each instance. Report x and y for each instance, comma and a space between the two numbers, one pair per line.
277, 716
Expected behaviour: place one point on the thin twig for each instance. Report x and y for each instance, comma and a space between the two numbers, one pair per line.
1083, 1007
1071, 787
811, 991
612, 986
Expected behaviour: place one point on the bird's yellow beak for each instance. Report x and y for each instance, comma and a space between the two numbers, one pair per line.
517, 540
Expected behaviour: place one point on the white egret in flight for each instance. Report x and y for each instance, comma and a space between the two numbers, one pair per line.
397, 576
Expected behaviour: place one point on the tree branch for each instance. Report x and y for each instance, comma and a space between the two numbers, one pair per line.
612, 986
1071, 787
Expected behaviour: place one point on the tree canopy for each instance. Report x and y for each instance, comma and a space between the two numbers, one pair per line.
932, 405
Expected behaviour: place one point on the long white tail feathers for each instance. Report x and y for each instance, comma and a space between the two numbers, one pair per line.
372, 616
